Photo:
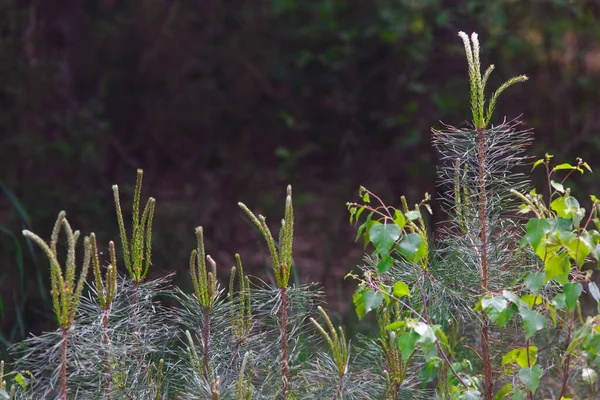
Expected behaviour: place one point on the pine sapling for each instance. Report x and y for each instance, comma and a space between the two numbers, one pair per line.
281, 258
65, 292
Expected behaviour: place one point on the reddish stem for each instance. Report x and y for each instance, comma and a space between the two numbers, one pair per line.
488, 379
284, 343
205, 344
567, 364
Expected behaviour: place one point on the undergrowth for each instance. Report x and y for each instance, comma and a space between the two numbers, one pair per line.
491, 309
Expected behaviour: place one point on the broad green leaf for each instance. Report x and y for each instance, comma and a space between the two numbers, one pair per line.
532, 321
505, 316
516, 300
578, 250
428, 372
530, 299
493, 306
411, 247
519, 356
560, 301
426, 339
504, 390
535, 281
401, 289
536, 230
413, 215
572, 292
385, 263
395, 325
557, 266
426, 334
558, 186
366, 198
531, 377
593, 289
383, 237
407, 342
399, 219
560, 224
565, 206
366, 300
519, 394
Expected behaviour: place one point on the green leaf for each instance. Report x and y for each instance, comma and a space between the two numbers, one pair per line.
535, 281
531, 299
426, 334
20, 379
357, 216
519, 394
493, 306
383, 237
411, 247
565, 206
407, 342
557, 266
538, 162
352, 213
572, 292
558, 186
564, 166
504, 317
401, 289
395, 325
560, 301
426, 339
385, 264
593, 289
366, 300
429, 371
504, 390
366, 226
413, 215
536, 230
399, 219
531, 377
513, 298
532, 321
519, 356
366, 198
578, 250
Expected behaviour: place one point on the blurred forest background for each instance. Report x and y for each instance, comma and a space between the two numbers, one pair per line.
221, 101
